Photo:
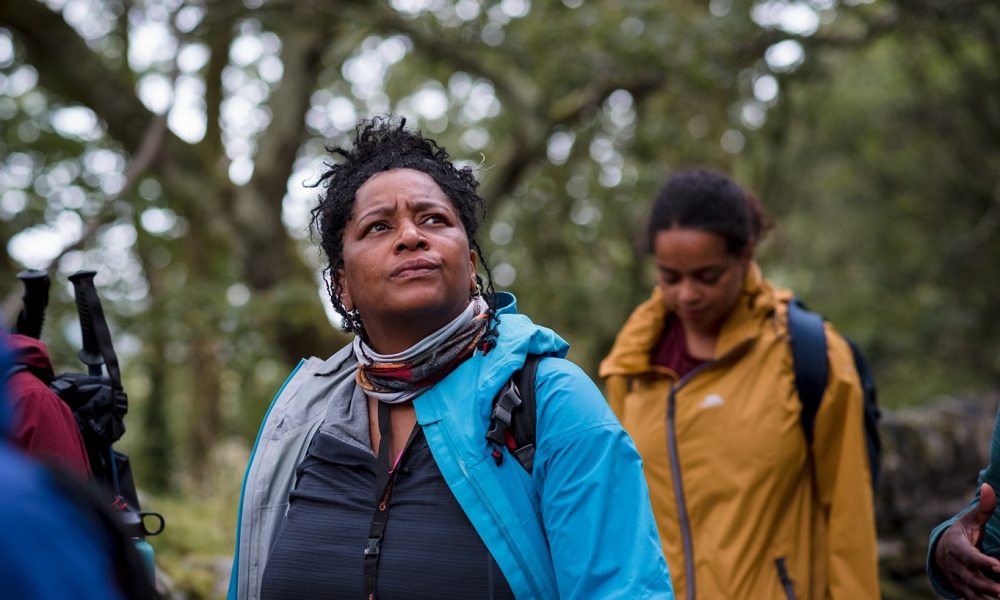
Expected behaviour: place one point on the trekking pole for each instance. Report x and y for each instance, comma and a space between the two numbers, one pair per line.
98, 350
36, 298
90, 354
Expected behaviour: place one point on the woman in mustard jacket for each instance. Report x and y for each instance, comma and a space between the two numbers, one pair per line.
701, 377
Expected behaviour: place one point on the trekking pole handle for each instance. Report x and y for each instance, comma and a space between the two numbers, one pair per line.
97, 346
31, 319
90, 354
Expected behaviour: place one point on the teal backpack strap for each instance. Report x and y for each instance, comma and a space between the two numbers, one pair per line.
809, 361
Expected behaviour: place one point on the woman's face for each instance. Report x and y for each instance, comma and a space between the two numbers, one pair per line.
408, 267
699, 279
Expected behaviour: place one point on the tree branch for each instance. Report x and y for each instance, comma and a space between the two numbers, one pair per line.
152, 139
265, 250
219, 34
532, 137
68, 67
522, 91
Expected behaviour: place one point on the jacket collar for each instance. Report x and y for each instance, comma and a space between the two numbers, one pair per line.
518, 337
634, 345
486, 374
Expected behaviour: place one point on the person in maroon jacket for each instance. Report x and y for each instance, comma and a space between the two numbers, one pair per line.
43, 425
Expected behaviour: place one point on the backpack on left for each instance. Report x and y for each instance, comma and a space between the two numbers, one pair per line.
97, 401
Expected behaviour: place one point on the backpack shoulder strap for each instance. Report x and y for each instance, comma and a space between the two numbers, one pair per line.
513, 419
14, 371
809, 361
44, 376
872, 412
522, 425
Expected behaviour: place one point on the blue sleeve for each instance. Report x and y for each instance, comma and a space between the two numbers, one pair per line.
991, 541
48, 549
594, 501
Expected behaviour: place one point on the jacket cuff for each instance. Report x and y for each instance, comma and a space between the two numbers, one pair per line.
941, 584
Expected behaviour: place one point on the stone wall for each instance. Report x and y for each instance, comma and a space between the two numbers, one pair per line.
931, 458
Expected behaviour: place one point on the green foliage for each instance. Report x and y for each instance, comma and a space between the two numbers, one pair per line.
196, 546
890, 150
876, 150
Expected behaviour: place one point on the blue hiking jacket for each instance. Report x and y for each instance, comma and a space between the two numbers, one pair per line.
580, 526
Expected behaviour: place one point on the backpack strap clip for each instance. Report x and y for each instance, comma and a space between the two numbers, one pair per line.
513, 421
525, 455
503, 411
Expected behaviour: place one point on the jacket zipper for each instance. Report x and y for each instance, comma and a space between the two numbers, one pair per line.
786, 582
504, 530
679, 495
675, 464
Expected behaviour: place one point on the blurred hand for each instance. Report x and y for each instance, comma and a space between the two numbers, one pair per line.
959, 555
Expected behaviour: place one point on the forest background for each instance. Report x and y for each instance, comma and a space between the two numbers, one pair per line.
169, 145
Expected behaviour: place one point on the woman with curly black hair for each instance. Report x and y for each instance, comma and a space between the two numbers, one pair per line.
376, 473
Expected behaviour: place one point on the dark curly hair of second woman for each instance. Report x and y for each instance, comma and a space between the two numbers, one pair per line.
380, 145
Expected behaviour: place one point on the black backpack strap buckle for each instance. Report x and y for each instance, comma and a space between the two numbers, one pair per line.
513, 420
503, 410
526, 456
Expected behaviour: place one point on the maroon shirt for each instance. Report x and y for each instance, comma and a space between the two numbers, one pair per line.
43, 425
671, 351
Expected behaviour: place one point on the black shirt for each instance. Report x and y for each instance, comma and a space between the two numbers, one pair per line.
430, 548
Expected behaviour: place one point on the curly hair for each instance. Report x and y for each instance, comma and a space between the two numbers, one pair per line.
380, 145
709, 201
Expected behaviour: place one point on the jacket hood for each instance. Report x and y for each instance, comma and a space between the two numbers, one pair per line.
29, 352
634, 345
17, 349
519, 337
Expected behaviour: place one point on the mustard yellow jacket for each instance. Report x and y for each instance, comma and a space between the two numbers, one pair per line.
744, 507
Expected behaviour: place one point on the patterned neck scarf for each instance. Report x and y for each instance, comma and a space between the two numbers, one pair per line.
401, 377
